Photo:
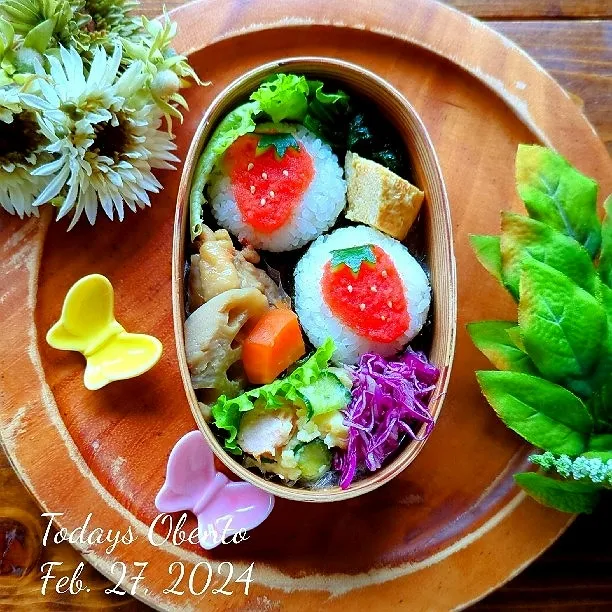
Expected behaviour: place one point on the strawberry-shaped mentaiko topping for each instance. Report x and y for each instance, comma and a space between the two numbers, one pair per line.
362, 288
269, 174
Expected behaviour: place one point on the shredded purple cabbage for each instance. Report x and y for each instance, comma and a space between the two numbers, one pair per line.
389, 399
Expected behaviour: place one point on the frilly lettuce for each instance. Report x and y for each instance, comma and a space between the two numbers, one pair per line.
237, 123
283, 97
227, 412
327, 114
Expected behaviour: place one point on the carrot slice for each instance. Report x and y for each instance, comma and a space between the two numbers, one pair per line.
274, 343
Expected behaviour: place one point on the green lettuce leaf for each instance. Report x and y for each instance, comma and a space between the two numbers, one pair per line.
562, 326
327, 114
325, 99
227, 415
524, 237
494, 341
559, 195
237, 123
288, 97
488, 252
283, 97
544, 414
228, 412
565, 495
605, 260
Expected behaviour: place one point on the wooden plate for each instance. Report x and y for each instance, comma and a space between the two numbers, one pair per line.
451, 527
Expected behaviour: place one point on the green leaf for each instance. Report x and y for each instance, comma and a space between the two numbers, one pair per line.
20, 15
493, 339
488, 252
604, 455
565, 495
284, 97
601, 380
545, 414
353, 257
562, 325
557, 194
605, 259
39, 37
327, 115
515, 336
135, 50
237, 123
280, 141
600, 406
325, 98
227, 415
600, 442
523, 237
7, 35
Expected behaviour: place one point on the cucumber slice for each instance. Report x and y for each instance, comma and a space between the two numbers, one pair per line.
314, 459
326, 394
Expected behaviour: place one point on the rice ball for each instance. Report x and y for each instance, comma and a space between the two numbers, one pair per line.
364, 290
278, 202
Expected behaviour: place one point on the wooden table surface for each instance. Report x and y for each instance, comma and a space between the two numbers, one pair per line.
572, 39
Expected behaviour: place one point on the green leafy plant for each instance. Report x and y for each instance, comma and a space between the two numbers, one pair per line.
554, 384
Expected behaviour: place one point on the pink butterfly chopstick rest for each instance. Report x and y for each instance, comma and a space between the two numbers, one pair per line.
222, 507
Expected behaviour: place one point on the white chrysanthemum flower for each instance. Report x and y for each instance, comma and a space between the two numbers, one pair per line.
105, 143
66, 96
9, 103
21, 143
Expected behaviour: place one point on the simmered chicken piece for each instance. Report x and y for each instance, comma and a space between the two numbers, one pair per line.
212, 270
264, 431
219, 267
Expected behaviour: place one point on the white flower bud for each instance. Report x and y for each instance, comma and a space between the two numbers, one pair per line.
165, 83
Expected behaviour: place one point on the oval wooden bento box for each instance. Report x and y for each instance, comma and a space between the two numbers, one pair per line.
438, 239
442, 533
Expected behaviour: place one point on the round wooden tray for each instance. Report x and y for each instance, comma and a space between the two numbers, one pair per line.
448, 530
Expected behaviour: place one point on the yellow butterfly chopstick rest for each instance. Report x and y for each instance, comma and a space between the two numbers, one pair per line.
88, 325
